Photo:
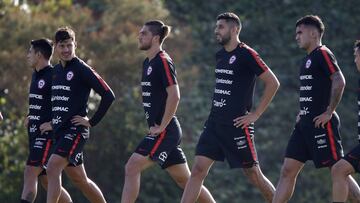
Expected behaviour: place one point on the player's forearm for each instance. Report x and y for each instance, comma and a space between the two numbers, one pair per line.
172, 103
337, 89
271, 87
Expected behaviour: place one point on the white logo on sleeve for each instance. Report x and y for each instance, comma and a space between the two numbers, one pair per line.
232, 59
308, 63
149, 70
41, 83
69, 75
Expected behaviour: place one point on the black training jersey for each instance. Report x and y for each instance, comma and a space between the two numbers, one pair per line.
70, 93
158, 74
315, 82
235, 73
39, 99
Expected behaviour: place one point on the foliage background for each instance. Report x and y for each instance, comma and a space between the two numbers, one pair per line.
107, 39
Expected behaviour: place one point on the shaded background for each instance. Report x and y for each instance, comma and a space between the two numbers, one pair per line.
107, 39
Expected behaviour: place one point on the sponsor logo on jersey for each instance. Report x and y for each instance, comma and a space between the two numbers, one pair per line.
34, 106
305, 88
146, 84
32, 117
59, 98
304, 111
32, 128
306, 77
41, 83
219, 103
60, 108
56, 120
232, 59
308, 63
224, 81
149, 70
146, 94
220, 91
69, 75
61, 87
36, 96
224, 71
305, 99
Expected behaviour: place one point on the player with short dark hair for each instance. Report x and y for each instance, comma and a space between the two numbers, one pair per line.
38, 57
161, 95
229, 131
316, 134
72, 82
351, 162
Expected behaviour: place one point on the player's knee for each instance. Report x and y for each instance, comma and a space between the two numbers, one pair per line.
131, 168
52, 171
29, 175
199, 172
252, 173
288, 172
181, 181
43, 181
80, 182
337, 171
30, 196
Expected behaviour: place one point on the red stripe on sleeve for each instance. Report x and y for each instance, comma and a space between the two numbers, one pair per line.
257, 58
328, 61
102, 82
167, 69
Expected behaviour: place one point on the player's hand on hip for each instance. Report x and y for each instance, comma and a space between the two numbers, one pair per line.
45, 127
79, 120
155, 130
246, 120
322, 119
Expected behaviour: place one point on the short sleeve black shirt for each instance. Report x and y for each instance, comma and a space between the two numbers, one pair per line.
236, 74
158, 74
315, 82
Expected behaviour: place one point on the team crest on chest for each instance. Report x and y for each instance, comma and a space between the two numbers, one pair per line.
149, 70
69, 75
308, 63
41, 83
232, 59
